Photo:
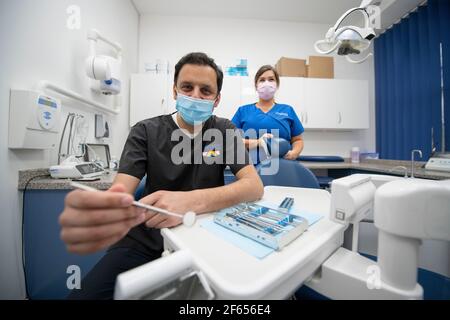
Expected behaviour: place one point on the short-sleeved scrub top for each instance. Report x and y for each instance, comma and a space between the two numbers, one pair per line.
281, 117
149, 150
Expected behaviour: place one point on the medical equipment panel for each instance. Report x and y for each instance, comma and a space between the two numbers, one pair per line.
439, 162
34, 120
84, 170
270, 227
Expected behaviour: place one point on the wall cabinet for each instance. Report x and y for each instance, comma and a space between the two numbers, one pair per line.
149, 96
230, 97
325, 104
331, 104
336, 104
292, 92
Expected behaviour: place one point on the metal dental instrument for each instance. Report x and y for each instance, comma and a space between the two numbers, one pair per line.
188, 218
286, 205
260, 223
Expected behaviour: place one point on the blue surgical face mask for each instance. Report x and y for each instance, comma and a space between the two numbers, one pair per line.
194, 111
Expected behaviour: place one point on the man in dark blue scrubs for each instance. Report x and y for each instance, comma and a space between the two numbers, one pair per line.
92, 221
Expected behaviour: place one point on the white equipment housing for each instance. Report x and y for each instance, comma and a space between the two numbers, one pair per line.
105, 71
406, 211
34, 120
351, 199
75, 170
171, 277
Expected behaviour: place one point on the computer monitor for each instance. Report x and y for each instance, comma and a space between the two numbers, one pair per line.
98, 153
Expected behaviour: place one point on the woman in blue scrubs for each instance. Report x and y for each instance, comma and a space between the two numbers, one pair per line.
268, 117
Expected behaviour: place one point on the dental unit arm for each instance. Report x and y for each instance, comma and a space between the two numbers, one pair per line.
406, 211
175, 276
103, 70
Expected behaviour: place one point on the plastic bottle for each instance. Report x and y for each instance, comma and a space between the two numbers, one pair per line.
355, 155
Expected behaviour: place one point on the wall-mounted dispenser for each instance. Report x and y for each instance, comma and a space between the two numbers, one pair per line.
34, 120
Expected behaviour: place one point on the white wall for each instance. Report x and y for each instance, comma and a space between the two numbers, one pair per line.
261, 42
37, 45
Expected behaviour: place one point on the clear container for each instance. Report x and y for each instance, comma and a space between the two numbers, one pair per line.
114, 163
354, 154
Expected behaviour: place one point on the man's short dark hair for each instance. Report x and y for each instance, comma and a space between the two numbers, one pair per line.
200, 59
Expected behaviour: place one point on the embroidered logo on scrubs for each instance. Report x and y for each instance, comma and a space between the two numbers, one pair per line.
211, 152
283, 114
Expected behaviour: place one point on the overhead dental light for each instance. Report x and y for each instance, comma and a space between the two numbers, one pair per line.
348, 40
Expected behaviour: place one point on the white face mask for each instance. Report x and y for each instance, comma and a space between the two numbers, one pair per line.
266, 90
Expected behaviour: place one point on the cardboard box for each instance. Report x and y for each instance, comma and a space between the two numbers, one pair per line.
288, 67
321, 67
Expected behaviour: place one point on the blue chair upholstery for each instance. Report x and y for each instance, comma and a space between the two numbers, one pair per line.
278, 146
228, 176
321, 159
289, 174
140, 189
325, 182
282, 146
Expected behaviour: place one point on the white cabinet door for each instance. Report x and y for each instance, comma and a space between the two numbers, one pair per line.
230, 99
292, 92
352, 99
236, 92
148, 97
336, 104
248, 92
321, 109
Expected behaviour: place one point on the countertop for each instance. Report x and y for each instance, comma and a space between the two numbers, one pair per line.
382, 166
39, 179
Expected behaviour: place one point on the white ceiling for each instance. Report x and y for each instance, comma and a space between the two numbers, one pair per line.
313, 11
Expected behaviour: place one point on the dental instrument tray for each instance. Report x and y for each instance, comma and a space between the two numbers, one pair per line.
270, 227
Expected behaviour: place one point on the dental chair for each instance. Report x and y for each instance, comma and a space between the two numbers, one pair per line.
283, 146
289, 174
140, 189
276, 171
